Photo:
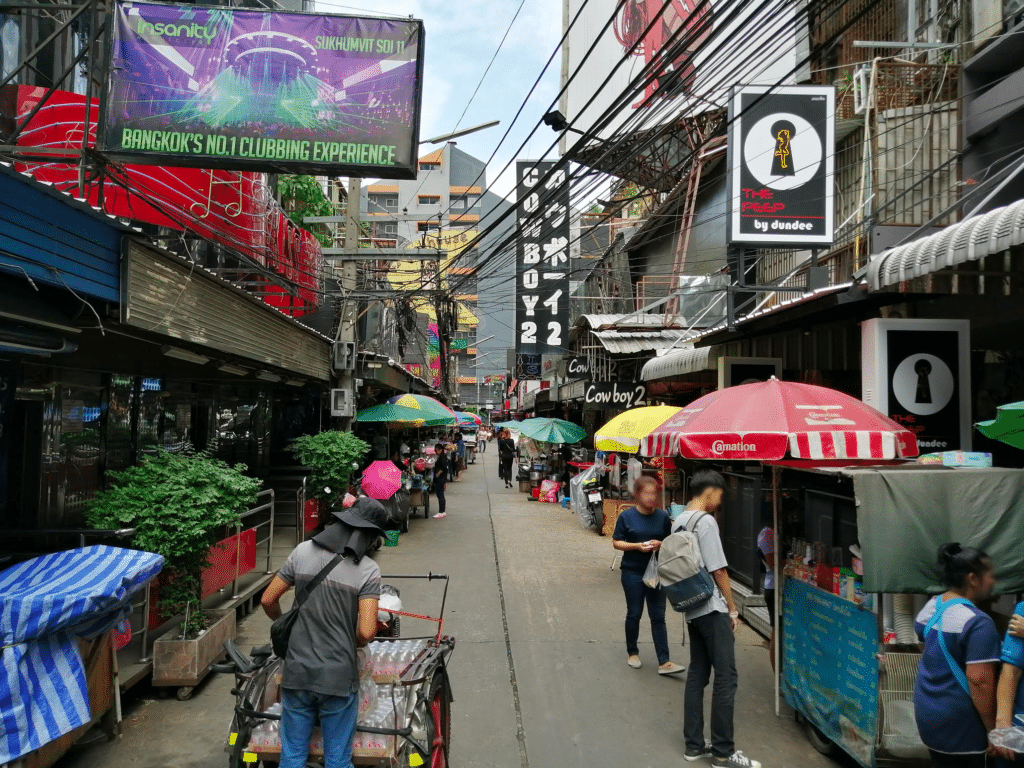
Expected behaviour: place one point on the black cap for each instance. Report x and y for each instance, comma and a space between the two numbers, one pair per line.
365, 513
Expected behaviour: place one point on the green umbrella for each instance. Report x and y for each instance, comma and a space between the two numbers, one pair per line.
1007, 426
392, 414
550, 430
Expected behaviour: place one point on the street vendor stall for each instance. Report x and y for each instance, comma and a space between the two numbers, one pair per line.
55, 606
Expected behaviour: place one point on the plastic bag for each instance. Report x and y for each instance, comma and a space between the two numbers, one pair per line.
386, 603
1010, 738
651, 578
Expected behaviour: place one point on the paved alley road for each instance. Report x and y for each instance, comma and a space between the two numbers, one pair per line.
539, 673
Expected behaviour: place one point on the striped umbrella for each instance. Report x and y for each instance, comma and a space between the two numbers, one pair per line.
771, 420
435, 412
466, 419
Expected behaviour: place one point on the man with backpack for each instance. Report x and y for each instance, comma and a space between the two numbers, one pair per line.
711, 625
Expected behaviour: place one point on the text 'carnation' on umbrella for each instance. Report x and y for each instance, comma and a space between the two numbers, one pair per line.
770, 420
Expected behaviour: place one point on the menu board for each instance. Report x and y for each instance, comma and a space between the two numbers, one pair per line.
829, 672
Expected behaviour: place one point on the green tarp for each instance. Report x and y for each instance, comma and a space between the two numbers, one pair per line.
904, 515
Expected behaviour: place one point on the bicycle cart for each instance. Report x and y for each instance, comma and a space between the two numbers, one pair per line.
405, 700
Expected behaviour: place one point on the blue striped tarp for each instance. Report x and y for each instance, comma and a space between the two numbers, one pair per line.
47, 603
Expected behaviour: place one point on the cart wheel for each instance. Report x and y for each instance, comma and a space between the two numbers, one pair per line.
426, 505
184, 693
439, 723
403, 525
819, 740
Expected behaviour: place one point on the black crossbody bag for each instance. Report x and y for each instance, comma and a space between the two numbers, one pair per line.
281, 629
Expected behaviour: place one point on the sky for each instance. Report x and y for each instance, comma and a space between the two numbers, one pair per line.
461, 39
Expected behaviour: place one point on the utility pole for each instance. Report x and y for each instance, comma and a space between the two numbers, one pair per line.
350, 307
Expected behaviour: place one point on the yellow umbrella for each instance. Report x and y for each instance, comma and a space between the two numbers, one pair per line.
624, 433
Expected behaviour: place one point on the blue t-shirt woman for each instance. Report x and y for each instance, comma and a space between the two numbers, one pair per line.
638, 534
954, 694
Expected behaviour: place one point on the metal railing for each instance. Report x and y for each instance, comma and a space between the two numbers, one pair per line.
300, 511
262, 505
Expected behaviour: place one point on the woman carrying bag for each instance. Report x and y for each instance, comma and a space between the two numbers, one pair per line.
639, 531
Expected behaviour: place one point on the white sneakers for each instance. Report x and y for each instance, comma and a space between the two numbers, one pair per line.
439, 515
736, 760
634, 662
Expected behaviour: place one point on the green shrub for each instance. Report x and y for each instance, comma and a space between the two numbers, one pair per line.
179, 504
330, 455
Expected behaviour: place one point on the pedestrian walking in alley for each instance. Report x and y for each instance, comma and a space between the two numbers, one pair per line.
442, 470
639, 531
506, 453
320, 676
955, 690
460, 456
711, 627
481, 440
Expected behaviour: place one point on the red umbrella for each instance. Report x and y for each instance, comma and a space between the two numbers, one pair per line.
770, 420
381, 479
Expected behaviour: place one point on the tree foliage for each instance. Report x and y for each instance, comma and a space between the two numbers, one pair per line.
179, 504
302, 196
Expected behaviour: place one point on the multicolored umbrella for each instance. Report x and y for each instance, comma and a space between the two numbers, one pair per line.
771, 420
624, 433
551, 430
1007, 426
392, 414
466, 419
381, 479
436, 413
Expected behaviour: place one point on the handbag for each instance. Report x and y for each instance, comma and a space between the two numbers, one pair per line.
281, 629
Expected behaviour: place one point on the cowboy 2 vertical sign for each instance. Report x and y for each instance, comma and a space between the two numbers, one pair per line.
781, 165
542, 258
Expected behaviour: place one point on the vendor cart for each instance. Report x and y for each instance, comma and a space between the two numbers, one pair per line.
422, 469
405, 701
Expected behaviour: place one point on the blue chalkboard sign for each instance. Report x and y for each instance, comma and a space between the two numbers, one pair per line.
830, 671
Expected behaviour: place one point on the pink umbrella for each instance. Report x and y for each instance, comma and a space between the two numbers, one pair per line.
771, 420
381, 479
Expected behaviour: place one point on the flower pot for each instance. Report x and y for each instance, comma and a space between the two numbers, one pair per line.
186, 662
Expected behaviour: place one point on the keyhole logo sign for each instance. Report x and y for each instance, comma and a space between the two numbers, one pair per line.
782, 160
923, 384
783, 151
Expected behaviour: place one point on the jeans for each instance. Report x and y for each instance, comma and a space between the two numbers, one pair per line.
712, 646
337, 721
439, 493
636, 594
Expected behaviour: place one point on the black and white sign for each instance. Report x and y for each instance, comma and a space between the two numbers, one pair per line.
577, 368
542, 259
613, 395
917, 373
781, 165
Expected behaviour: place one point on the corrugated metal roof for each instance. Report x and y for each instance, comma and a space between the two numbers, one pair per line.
631, 321
625, 342
970, 240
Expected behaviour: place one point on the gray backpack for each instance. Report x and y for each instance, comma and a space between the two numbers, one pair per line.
684, 578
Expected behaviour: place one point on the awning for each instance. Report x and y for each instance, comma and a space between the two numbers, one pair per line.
680, 361
970, 240
626, 342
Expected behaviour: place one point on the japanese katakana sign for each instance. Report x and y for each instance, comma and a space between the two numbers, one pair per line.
542, 258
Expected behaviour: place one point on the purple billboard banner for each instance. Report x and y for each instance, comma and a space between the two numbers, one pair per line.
263, 91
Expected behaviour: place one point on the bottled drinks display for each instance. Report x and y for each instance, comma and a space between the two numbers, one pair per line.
816, 564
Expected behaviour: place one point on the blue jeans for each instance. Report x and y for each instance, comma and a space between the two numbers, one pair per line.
637, 593
337, 721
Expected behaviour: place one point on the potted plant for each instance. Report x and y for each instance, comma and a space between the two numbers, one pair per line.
332, 457
180, 505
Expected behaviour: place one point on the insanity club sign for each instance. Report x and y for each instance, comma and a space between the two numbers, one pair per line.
251, 90
542, 256
781, 165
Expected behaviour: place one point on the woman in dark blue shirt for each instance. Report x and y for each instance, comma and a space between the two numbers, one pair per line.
638, 534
